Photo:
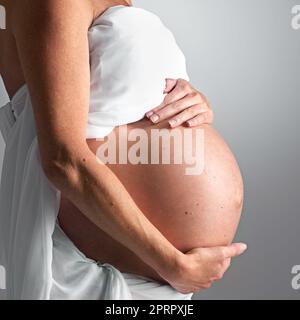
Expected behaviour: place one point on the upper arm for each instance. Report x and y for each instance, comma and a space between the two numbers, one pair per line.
52, 43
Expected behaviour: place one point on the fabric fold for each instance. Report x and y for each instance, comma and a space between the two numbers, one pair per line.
29, 208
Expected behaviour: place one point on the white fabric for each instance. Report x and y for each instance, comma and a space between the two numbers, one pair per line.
131, 55
41, 262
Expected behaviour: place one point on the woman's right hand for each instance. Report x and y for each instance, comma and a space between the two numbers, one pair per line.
198, 268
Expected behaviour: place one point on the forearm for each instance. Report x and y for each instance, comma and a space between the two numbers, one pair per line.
103, 199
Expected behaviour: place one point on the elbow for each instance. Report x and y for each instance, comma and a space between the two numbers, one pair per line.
62, 170
56, 171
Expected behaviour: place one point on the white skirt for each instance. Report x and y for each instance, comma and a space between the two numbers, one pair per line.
41, 262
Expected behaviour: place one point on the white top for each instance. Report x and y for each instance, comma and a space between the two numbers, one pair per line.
41, 262
131, 54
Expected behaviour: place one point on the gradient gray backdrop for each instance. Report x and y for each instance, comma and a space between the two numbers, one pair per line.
244, 55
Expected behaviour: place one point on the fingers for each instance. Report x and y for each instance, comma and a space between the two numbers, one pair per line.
192, 112
176, 107
206, 285
226, 264
181, 89
199, 119
170, 85
211, 265
196, 288
232, 250
182, 104
177, 89
203, 117
202, 286
223, 267
223, 259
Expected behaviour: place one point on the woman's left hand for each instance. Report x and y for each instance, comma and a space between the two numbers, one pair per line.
183, 104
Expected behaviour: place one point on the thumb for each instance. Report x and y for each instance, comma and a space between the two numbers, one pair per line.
234, 250
170, 84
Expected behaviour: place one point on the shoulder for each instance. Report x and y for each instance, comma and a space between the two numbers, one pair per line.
53, 13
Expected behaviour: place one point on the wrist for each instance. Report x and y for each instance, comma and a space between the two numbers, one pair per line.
172, 266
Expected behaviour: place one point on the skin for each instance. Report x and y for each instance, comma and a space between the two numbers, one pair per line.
190, 211
46, 47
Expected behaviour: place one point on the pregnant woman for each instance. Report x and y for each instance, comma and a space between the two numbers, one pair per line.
81, 76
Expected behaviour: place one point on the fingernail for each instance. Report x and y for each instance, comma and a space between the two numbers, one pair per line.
154, 118
149, 114
243, 246
172, 122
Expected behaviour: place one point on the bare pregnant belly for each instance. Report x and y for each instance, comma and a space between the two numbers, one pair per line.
193, 203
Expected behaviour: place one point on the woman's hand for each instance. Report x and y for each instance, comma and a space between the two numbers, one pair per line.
197, 269
183, 104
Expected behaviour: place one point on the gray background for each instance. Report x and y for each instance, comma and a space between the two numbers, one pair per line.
244, 55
